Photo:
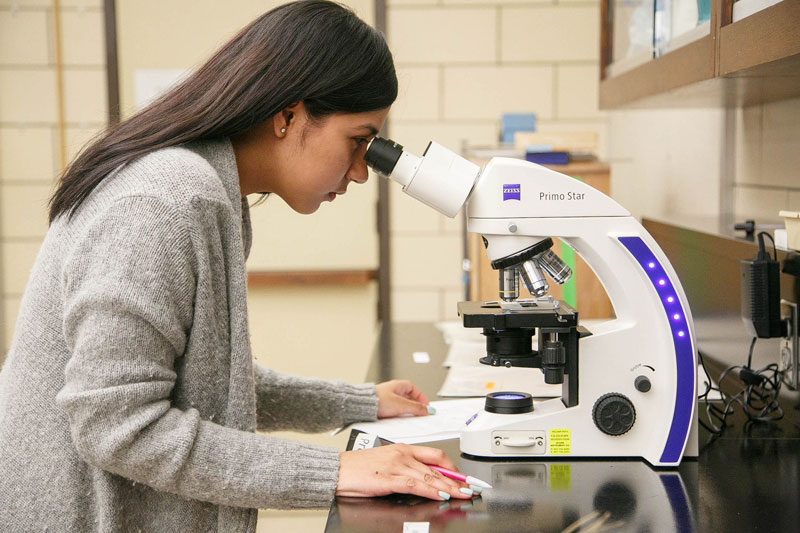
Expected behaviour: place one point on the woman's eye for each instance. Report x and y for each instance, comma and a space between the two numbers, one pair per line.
360, 141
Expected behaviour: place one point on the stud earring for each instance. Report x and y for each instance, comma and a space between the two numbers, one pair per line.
283, 130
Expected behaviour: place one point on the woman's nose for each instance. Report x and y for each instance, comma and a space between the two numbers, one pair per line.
358, 171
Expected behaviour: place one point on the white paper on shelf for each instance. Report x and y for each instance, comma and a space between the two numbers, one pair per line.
454, 330
471, 381
421, 357
745, 8
444, 425
465, 353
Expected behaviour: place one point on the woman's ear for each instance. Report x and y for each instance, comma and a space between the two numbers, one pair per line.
288, 118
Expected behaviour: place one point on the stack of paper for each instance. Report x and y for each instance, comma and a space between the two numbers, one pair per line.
450, 417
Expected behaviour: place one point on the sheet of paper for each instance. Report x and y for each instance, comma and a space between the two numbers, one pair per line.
445, 424
455, 330
464, 353
471, 381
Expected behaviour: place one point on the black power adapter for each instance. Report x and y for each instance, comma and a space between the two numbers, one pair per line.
760, 284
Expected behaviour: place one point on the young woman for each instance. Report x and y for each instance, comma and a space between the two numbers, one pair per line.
129, 400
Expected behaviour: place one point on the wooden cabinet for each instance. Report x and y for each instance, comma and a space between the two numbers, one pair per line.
753, 60
584, 292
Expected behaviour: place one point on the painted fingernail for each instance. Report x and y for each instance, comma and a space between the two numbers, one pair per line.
465, 490
476, 488
444, 495
431, 410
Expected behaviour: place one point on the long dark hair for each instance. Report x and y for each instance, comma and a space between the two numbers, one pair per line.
313, 51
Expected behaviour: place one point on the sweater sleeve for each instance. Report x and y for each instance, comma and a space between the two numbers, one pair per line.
285, 402
129, 285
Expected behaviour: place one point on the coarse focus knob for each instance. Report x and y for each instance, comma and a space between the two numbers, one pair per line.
614, 414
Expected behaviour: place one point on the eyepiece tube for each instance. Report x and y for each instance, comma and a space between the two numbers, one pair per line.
440, 178
382, 155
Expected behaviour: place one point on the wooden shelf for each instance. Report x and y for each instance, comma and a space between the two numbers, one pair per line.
754, 60
683, 67
764, 42
287, 278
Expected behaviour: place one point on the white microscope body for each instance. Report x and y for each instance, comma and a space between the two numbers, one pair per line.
638, 369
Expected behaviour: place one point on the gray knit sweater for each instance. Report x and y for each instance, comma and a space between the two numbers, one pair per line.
129, 399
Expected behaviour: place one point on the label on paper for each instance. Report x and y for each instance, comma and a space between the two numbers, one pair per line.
365, 441
559, 441
416, 527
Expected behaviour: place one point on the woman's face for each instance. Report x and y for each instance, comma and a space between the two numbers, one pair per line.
318, 159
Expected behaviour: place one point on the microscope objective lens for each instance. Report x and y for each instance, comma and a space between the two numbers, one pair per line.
509, 284
534, 278
554, 266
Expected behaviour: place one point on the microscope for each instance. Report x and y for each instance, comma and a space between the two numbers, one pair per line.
629, 384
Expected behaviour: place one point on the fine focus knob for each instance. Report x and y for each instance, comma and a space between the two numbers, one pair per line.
554, 357
642, 384
613, 414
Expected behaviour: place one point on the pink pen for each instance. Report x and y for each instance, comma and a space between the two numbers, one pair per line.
461, 477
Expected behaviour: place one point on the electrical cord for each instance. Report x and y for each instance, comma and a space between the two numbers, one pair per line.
758, 398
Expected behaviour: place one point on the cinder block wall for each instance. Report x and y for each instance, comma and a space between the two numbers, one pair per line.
461, 64
30, 147
767, 176
691, 166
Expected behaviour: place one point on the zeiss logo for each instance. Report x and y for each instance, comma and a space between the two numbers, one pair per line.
511, 191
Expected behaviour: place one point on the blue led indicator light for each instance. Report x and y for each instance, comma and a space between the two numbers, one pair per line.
686, 373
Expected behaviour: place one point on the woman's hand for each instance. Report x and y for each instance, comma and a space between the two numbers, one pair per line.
396, 468
400, 397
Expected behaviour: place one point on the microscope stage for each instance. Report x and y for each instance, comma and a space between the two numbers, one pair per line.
490, 315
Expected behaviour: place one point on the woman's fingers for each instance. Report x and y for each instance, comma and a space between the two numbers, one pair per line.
397, 468
431, 456
435, 479
399, 397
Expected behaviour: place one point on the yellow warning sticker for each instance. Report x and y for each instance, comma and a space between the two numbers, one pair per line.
560, 476
559, 441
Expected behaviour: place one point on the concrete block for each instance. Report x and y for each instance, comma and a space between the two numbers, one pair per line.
410, 305
781, 149
86, 96
27, 154
24, 38
23, 210
578, 94
28, 96
442, 35
551, 33
488, 92
83, 37
421, 261
418, 95
414, 136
